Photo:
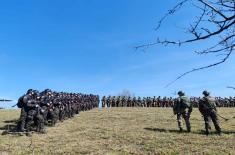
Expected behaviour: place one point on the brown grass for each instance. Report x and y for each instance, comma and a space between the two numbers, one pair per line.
121, 131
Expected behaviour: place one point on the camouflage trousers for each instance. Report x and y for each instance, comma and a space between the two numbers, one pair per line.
52, 115
30, 121
40, 123
62, 114
103, 104
22, 120
185, 116
212, 116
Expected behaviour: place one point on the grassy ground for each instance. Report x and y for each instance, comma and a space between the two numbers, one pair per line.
120, 131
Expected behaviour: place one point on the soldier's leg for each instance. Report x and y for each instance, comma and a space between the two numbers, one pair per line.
187, 121
61, 117
72, 112
53, 118
29, 122
216, 123
22, 120
207, 120
179, 120
40, 123
45, 113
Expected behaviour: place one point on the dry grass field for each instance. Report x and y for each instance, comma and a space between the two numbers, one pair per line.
120, 131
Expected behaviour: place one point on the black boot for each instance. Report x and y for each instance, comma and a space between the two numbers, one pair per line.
181, 129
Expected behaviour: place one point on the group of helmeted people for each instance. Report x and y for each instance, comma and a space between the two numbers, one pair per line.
49, 107
127, 101
207, 107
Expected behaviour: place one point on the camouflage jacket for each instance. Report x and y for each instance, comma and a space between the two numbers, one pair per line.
181, 104
207, 105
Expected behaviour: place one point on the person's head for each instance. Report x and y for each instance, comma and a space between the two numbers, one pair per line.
206, 93
181, 93
29, 91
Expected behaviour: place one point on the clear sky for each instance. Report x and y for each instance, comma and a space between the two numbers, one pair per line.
87, 46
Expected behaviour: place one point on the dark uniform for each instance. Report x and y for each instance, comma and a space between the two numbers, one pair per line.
31, 105
103, 101
207, 107
183, 108
23, 114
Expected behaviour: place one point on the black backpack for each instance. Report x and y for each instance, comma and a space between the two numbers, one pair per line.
20, 102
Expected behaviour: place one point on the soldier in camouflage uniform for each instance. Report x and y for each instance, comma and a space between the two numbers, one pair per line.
118, 103
108, 101
208, 109
159, 101
183, 108
113, 101
103, 101
24, 109
134, 102
139, 102
124, 101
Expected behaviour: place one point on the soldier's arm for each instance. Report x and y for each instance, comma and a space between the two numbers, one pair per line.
190, 106
31, 103
175, 106
215, 107
201, 107
28, 102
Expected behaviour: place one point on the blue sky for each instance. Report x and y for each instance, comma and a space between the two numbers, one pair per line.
87, 46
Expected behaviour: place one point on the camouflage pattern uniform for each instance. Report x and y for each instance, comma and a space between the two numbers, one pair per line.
183, 108
207, 107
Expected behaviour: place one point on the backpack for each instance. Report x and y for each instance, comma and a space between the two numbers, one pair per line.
184, 103
20, 102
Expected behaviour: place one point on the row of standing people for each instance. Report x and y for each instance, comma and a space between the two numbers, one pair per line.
49, 107
123, 101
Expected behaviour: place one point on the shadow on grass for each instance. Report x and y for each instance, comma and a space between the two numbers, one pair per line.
10, 127
202, 132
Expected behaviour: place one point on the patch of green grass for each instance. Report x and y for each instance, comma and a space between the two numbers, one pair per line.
120, 131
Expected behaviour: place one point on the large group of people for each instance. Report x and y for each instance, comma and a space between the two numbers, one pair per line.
182, 106
127, 101
49, 107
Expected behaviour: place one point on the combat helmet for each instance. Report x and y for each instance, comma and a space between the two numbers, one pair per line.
206, 93
181, 93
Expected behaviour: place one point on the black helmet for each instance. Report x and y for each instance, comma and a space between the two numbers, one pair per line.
47, 90
181, 93
29, 91
36, 92
206, 93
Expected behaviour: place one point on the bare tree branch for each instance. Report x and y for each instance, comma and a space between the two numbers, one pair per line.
201, 68
216, 20
231, 87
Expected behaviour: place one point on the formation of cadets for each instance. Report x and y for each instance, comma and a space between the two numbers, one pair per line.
122, 101
49, 107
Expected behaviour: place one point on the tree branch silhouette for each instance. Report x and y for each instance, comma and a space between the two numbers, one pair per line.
216, 21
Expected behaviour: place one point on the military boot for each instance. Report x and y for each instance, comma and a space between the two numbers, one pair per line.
181, 129
188, 129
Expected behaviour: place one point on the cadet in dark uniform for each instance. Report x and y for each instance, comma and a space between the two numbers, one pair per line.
183, 108
208, 109
31, 103
24, 110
